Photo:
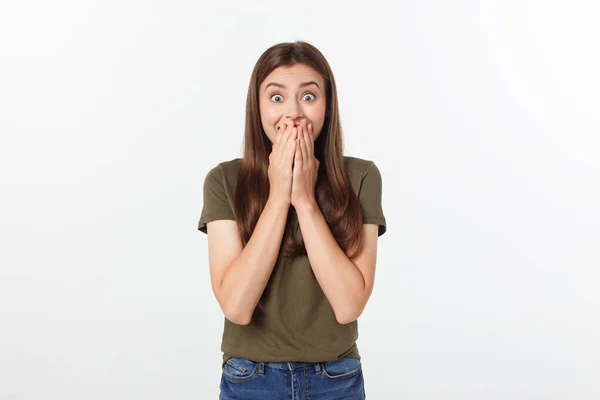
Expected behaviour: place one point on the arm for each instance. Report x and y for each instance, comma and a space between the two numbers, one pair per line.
240, 283
346, 283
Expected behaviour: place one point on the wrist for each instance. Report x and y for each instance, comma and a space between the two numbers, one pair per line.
279, 201
307, 207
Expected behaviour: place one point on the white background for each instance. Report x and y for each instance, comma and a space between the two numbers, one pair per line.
482, 118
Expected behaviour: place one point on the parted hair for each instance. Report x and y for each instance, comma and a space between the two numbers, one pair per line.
333, 191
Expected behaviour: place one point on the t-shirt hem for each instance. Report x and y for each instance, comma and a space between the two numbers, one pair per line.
314, 355
379, 220
213, 217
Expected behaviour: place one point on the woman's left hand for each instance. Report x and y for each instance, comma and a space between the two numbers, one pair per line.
306, 168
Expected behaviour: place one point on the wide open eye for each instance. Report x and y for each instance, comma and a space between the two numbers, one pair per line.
305, 94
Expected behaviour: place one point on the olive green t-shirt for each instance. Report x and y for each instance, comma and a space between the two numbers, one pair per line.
293, 320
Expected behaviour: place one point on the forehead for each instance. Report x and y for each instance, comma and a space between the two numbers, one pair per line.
293, 75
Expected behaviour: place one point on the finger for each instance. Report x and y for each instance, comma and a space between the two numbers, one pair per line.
290, 139
278, 135
279, 129
303, 147
311, 145
298, 156
289, 128
283, 123
302, 135
291, 149
285, 137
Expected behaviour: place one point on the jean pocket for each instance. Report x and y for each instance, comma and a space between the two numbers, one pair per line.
239, 369
341, 368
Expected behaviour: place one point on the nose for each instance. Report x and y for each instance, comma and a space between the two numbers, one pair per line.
294, 112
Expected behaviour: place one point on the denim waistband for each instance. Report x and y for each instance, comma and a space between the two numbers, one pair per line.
291, 365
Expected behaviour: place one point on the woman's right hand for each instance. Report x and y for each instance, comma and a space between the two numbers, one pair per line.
281, 160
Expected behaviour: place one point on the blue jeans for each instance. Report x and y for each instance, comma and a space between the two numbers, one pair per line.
331, 380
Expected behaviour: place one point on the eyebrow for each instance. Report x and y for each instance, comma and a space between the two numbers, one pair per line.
301, 85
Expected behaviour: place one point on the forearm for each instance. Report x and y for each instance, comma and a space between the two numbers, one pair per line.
339, 278
246, 278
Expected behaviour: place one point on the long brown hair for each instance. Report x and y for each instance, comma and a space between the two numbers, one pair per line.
333, 191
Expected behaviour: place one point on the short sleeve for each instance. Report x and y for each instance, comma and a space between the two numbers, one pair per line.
216, 205
370, 195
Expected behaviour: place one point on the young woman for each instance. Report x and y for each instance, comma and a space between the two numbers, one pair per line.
292, 238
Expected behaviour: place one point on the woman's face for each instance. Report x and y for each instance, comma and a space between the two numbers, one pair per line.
292, 94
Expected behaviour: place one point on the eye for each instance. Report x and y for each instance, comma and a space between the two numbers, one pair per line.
273, 96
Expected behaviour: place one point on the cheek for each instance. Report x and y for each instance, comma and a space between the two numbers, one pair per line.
318, 119
268, 120
317, 114
269, 115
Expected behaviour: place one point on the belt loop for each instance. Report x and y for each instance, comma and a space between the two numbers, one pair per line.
317, 368
261, 368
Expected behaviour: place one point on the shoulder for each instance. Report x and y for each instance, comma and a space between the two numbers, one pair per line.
227, 169
365, 178
223, 176
358, 167
234, 164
